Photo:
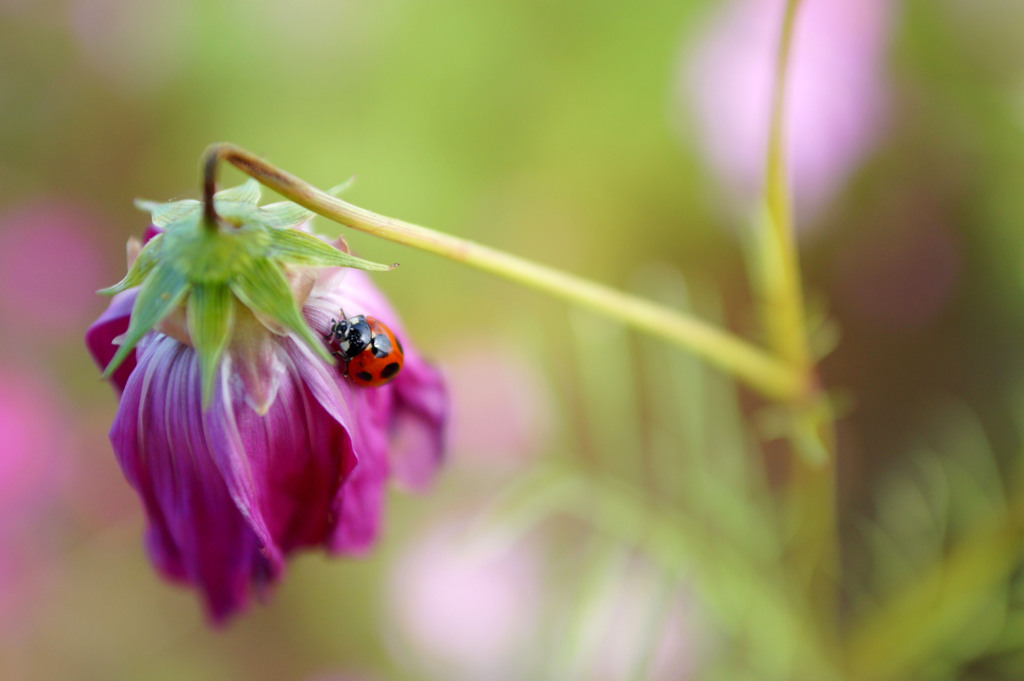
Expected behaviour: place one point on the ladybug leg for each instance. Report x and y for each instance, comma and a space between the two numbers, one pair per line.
344, 360
330, 329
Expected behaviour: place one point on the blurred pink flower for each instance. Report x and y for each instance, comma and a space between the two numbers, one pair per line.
638, 624
139, 47
34, 462
502, 409
49, 299
835, 103
289, 454
467, 611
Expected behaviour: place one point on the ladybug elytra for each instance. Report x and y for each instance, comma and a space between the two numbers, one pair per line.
372, 352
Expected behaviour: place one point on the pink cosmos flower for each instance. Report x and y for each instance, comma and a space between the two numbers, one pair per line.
835, 102
465, 611
34, 465
503, 406
67, 234
618, 636
286, 454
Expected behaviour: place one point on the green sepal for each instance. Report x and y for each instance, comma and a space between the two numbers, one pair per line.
213, 256
247, 192
246, 261
145, 262
160, 294
211, 318
163, 214
301, 248
284, 215
339, 189
238, 202
263, 288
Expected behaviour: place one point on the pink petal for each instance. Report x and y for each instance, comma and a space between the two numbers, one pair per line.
360, 503
50, 264
419, 401
418, 423
299, 456
111, 324
195, 531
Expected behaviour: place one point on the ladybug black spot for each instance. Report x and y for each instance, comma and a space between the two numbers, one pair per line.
364, 376
390, 370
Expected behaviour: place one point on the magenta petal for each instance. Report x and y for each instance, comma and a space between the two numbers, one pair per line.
418, 400
418, 423
195, 531
151, 231
360, 501
111, 324
361, 508
299, 455
228, 492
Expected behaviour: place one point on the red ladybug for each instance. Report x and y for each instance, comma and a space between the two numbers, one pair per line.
371, 351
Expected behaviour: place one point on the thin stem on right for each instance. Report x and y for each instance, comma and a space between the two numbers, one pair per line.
809, 504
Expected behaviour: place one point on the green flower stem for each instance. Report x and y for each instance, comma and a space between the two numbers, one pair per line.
210, 217
758, 368
810, 498
781, 283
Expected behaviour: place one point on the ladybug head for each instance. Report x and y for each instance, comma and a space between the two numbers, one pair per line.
353, 335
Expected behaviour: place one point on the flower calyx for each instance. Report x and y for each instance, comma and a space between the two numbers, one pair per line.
210, 269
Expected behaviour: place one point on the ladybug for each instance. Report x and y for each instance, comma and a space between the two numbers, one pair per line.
372, 353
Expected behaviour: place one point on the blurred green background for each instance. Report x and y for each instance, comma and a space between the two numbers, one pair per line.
556, 130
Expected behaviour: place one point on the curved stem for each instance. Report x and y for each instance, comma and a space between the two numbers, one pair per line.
210, 217
781, 283
755, 366
810, 499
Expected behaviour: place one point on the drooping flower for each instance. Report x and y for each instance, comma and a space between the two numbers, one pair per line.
244, 441
835, 101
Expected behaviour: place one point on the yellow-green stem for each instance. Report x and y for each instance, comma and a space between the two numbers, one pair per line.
810, 499
751, 364
781, 286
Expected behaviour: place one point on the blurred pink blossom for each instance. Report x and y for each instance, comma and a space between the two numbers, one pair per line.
50, 266
638, 624
468, 611
34, 461
137, 46
835, 104
502, 404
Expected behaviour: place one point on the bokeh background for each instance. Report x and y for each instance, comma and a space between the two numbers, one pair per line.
616, 140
